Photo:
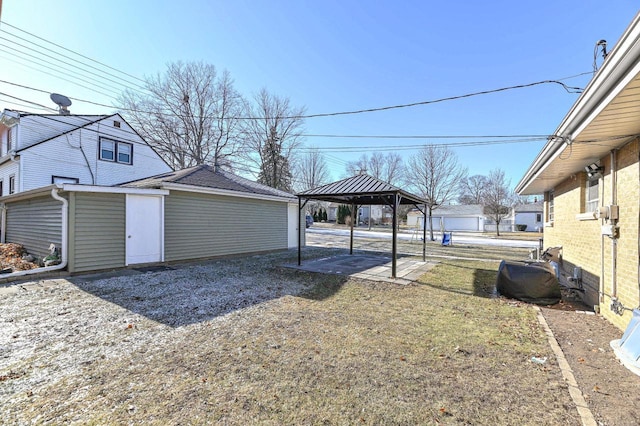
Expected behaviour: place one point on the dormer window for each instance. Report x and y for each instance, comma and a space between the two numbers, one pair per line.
115, 151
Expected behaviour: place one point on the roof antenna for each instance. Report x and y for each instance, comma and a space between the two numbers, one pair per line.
63, 102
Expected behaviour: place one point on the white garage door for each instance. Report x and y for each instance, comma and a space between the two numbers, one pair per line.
461, 223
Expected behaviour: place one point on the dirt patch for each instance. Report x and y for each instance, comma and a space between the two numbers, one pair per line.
611, 390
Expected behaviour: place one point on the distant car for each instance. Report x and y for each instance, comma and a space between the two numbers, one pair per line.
309, 221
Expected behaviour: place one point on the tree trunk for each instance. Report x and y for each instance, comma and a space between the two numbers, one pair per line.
431, 225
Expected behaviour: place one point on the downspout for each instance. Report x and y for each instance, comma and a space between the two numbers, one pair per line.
64, 239
3, 223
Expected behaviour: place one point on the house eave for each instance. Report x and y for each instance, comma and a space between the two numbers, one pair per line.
620, 68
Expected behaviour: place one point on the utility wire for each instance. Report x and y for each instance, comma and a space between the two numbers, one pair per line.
121, 82
57, 68
422, 136
74, 52
43, 54
29, 102
569, 89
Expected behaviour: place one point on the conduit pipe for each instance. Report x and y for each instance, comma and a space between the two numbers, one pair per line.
614, 240
64, 240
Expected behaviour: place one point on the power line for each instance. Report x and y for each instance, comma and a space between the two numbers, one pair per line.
57, 68
334, 114
72, 51
43, 54
29, 102
422, 136
121, 82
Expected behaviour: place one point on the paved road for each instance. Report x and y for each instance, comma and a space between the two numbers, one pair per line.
458, 238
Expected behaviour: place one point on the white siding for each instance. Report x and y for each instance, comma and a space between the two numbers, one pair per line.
36, 128
7, 169
63, 157
529, 219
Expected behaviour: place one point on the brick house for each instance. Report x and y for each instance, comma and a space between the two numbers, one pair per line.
589, 172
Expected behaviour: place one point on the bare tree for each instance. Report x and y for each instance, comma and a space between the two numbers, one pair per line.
435, 174
361, 165
471, 189
271, 138
188, 114
394, 168
387, 168
311, 170
497, 197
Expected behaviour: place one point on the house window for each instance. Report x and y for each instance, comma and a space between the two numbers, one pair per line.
9, 140
124, 153
12, 184
63, 179
591, 195
119, 152
116, 124
107, 150
1, 188
538, 217
550, 207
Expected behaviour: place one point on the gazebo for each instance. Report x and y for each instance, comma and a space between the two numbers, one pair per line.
363, 190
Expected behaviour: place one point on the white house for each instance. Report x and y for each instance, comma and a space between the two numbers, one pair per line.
38, 150
451, 218
529, 215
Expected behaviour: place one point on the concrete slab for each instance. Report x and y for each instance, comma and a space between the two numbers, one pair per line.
366, 266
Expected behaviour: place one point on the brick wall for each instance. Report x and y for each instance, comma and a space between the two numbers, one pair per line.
582, 242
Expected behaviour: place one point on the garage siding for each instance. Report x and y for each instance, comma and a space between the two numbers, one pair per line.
97, 231
35, 223
202, 225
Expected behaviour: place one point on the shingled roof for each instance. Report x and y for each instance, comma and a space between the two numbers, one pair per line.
205, 176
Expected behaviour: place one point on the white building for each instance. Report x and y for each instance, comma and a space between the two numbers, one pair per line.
37, 150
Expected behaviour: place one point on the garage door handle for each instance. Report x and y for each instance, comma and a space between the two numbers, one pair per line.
128, 236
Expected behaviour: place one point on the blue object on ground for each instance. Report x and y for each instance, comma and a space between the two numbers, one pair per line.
446, 238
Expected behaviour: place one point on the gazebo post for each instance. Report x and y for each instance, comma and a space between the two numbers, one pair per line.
424, 234
353, 206
394, 245
300, 230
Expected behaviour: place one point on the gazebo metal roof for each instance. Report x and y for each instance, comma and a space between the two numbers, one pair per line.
363, 190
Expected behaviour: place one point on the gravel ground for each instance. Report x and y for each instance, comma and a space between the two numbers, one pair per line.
52, 329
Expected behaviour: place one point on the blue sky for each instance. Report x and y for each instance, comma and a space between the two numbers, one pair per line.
336, 56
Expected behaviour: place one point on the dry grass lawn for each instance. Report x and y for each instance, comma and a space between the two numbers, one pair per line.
246, 341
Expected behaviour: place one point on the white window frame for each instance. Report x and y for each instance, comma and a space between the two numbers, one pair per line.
591, 195
102, 149
550, 209
121, 147
12, 184
118, 148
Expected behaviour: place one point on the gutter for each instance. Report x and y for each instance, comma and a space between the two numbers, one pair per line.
64, 239
606, 83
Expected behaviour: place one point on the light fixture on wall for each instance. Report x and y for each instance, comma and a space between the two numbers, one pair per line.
593, 170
